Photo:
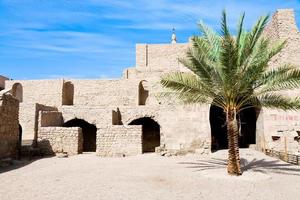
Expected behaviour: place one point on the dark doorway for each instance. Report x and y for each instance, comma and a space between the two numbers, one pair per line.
88, 131
150, 133
217, 120
20, 142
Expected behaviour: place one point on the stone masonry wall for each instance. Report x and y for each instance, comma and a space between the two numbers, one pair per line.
105, 92
46, 92
275, 126
29, 115
160, 57
9, 126
2, 82
50, 118
53, 140
119, 140
182, 127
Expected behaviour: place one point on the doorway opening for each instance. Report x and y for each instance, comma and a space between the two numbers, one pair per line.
150, 133
89, 132
218, 126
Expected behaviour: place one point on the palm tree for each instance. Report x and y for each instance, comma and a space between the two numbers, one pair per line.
232, 72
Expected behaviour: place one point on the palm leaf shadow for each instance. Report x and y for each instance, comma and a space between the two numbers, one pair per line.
255, 165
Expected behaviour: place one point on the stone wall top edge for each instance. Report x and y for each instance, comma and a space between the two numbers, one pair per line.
162, 44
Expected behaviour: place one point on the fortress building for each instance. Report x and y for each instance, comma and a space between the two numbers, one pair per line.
128, 116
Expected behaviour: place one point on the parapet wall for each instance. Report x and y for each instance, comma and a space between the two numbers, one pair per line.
9, 126
160, 57
119, 140
53, 140
46, 92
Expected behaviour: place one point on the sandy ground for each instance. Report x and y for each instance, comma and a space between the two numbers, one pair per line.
149, 176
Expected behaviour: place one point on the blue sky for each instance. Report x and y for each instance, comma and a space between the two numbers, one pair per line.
45, 39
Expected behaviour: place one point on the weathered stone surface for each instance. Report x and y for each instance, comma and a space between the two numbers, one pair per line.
9, 125
54, 140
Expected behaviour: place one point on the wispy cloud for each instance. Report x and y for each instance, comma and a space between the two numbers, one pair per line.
94, 38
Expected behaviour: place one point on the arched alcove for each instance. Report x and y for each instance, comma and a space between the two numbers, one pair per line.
143, 93
17, 91
89, 132
150, 133
68, 94
217, 118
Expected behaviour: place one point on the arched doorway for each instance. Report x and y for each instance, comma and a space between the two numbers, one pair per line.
17, 91
217, 120
89, 132
68, 94
150, 133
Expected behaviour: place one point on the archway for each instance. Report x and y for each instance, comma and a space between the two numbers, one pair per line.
150, 133
68, 94
89, 132
217, 120
17, 91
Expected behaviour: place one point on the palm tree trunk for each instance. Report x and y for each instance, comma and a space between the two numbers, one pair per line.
234, 166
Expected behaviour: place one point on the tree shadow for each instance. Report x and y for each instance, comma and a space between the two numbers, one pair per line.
255, 165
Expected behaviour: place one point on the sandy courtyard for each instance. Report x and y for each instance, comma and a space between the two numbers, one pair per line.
150, 176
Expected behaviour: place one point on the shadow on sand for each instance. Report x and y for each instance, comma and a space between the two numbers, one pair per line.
255, 165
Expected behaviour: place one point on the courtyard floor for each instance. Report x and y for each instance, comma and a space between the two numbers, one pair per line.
149, 176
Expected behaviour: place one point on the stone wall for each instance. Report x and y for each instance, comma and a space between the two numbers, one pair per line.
119, 140
9, 126
29, 115
160, 57
182, 127
46, 92
99, 116
2, 82
105, 92
53, 140
50, 118
275, 128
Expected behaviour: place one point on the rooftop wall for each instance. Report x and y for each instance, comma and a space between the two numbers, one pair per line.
160, 57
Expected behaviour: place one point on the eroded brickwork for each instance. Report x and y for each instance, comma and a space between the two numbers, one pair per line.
9, 126
53, 140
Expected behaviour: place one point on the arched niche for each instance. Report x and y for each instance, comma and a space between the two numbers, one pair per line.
17, 91
150, 133
143, 92
68, 94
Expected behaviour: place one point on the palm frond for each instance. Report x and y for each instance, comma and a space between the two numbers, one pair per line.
277, 101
